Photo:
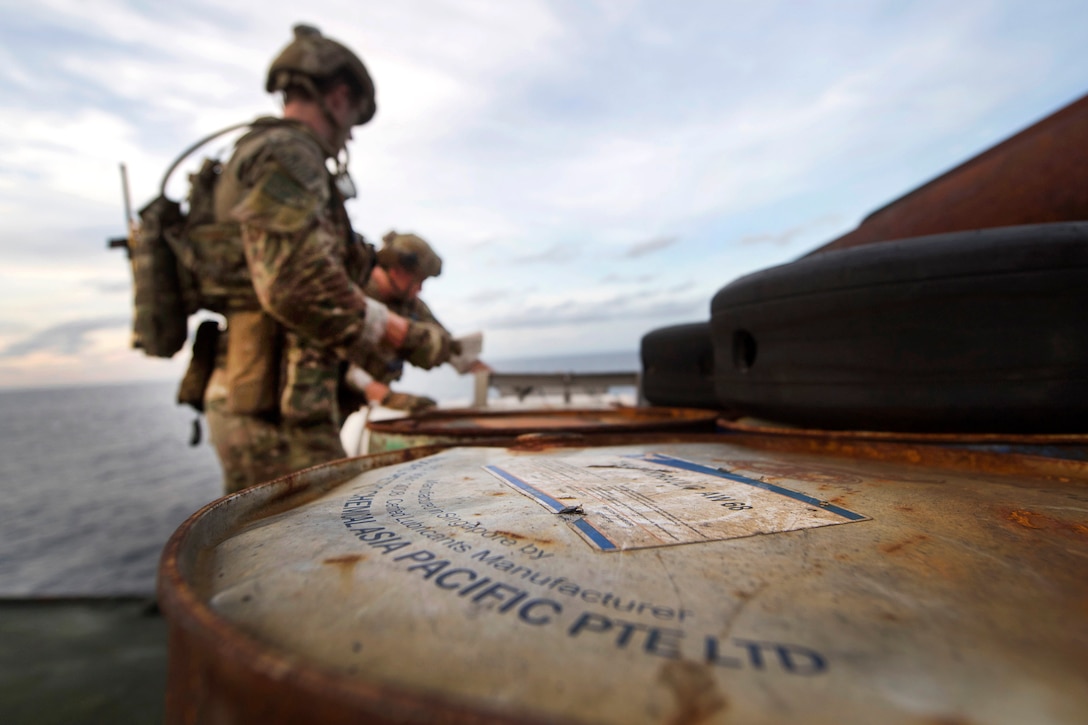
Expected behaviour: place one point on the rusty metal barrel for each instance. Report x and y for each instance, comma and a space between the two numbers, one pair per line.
640, 579
463, 427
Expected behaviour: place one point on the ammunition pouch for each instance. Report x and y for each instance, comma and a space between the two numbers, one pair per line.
214, 256
201, 366
163, 299
253, 363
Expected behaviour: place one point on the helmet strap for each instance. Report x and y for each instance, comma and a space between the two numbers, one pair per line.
306, 82
342, 178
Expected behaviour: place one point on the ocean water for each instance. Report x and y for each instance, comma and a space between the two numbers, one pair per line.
94, 480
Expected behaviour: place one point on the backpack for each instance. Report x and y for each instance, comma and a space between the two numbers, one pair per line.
182, 261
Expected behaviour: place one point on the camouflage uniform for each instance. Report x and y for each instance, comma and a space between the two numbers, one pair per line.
310, 314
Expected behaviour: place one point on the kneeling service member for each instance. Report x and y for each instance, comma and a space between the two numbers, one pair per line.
404, 263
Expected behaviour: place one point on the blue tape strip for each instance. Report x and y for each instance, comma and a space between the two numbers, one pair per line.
555, 506
582, 525
689, 466
594, 535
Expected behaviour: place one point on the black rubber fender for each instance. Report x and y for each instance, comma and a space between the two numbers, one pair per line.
984, 330
678, 366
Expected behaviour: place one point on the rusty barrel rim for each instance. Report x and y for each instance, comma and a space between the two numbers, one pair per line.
755, 425
457, 423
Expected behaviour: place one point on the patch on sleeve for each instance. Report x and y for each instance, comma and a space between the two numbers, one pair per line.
303, 164
278, 203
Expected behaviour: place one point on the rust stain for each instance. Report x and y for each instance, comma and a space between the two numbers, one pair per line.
694, 689
508, 424
1024, 518
345, 566
1043, 522
497, 493
905, 508
958, 459
345, 560
900, 545
509, 534
527, 446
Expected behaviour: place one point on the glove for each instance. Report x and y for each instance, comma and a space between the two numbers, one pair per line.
406, 401
427, 345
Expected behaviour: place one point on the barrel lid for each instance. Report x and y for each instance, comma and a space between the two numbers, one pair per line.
661, 583
474, 423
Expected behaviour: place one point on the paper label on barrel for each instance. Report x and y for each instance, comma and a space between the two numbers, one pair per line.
617, 503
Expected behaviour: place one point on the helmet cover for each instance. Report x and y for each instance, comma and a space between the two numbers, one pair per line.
314, 57
410, 253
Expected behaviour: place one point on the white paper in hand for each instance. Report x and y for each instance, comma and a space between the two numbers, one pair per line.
471, 347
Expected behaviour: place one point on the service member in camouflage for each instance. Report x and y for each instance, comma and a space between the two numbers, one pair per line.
404, 263
271, 403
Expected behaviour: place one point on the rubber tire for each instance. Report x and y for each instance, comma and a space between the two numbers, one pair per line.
974, 331
678, 367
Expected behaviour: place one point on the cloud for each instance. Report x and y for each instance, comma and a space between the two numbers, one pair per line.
568, 131
788, 236
110, 287
66, 339
650, 246
555, 254
491, 296
572, 312
12, 327
626, 279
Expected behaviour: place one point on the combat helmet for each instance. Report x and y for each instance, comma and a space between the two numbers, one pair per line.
311, 56
410, 253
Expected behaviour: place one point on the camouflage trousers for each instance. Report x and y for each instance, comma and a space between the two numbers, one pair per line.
252, 449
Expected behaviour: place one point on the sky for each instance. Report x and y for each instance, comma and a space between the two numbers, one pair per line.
589, 170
